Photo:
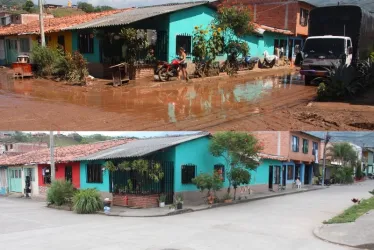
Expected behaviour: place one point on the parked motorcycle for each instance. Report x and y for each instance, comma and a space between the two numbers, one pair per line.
166, 71
248, 62
327, 182
269, 60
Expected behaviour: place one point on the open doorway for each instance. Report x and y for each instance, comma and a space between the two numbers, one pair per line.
271, 177
69, 174
284, 176
307, 175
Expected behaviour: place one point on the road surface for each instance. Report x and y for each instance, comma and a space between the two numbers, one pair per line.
278, 223
265, 100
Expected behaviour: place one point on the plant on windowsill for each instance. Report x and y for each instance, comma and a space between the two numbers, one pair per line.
162, 200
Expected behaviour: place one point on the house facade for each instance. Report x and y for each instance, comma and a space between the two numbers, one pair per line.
301, 151
285, 14
18, 39
368, 156
36, 166
172, 25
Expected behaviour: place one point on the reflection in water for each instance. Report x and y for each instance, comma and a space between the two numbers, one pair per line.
170, 103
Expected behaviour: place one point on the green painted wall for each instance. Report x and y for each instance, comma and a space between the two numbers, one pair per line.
92, 57
103, 187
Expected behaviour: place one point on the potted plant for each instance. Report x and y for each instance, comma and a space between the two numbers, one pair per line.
162, 200
172, 207
227, 198
179, 201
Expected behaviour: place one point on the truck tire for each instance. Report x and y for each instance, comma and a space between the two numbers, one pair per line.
308, 80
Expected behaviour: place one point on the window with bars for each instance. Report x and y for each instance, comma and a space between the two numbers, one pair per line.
94, 173
295, 144
220, 169
304, 16
184, 41
86, 43
305, 146
188, 173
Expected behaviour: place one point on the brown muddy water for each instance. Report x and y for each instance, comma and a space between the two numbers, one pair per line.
172, 102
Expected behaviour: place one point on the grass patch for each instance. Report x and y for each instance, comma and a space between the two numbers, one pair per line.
62, 12
352, 213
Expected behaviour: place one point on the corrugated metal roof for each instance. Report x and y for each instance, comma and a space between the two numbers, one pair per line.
136, 14
141, 147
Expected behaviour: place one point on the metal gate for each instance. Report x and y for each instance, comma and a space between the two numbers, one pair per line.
131, 182
161, 51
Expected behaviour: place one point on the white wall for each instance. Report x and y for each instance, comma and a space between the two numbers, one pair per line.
34, 182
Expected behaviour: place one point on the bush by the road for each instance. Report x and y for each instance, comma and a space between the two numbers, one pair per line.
344, 175
60, 193
87, 201
353, 213
346, 81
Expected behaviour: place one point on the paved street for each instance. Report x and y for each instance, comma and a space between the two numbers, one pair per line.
278, 223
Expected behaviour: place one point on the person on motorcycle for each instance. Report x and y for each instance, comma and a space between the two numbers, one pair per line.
182, 64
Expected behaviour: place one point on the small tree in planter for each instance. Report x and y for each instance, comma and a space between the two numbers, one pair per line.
179, 201
162, 200
209, 182
239, 149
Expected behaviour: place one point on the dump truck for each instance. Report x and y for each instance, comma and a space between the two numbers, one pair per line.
337, 34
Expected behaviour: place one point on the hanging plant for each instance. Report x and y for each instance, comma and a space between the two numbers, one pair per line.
144, 167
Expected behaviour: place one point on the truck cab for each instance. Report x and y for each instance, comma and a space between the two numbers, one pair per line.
322, 52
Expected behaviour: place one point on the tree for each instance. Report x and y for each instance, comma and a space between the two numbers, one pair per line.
208, 182
239, 150
28, 6
235, 20
342, 152
103, 8
21, 137
86, 7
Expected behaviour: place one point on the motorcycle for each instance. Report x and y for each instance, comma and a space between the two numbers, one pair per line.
327, 182
165, 71
269, 60
248, 62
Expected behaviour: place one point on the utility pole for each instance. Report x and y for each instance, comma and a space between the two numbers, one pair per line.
41, 20
51, 146
327, 139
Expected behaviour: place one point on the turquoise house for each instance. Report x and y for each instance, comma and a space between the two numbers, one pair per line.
182, 158
168, 26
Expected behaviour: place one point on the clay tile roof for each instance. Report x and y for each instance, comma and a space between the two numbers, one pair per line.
54, 24
62, 154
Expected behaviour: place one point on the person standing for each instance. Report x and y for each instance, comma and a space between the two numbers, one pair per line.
182, 64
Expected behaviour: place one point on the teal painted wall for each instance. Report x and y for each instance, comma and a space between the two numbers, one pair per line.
91, 58
260, 176
185, 21
194, 152
103, 187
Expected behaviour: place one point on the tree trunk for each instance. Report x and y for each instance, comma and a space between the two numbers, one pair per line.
234, 193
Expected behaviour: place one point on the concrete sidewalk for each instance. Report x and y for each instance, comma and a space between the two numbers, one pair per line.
358, 234
159, 212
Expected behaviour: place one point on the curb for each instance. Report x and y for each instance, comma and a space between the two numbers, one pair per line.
189, 210
316, 233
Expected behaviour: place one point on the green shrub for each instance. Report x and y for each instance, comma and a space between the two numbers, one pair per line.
47, 60
372, 56
60, 193
87, 201
77, 67
57, 63
359, 173
344, 175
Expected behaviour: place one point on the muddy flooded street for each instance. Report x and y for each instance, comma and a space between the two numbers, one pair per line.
255, 101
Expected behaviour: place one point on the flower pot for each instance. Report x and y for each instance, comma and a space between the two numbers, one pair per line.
179, 206
162, 204
228, 201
